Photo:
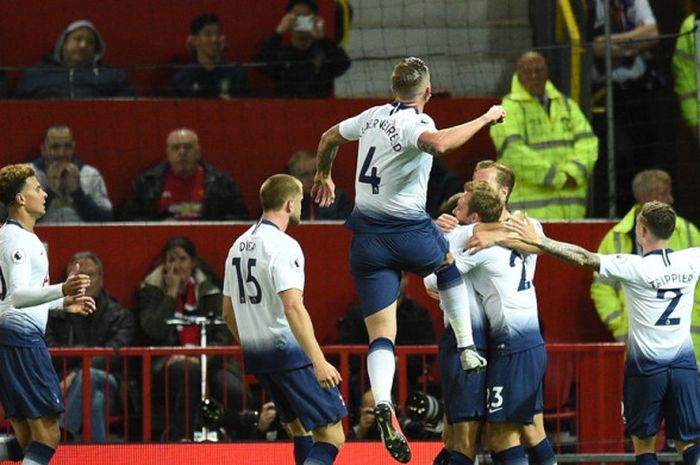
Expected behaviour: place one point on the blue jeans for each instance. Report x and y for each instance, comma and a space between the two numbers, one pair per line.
98, 405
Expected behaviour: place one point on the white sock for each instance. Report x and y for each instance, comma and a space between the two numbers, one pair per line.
454, 301
381, 366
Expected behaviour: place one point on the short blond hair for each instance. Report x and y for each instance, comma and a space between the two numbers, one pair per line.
12, 179
659, 218
484, 200
409, 79
278, 189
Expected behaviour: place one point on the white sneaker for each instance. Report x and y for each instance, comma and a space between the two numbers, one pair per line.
471, 360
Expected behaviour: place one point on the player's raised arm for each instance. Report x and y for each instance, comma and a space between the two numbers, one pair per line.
303, 330
570, 253
323, 190
444, 141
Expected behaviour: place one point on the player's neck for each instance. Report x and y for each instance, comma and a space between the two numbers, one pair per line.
22, 218
650, 246
279, 219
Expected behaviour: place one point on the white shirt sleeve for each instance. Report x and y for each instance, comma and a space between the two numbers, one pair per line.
641, 14
624, 266
351, 128
288, 269
420, 124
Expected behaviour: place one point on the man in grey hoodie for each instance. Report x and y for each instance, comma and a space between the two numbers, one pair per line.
75, 69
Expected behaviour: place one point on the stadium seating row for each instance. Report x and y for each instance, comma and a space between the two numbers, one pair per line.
142, 33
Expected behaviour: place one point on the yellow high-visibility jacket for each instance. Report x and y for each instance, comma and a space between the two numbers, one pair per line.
542, 148
684, 72
607, 295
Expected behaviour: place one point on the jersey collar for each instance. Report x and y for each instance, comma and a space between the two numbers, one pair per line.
402, 106
269, 223
658, 252
10, 221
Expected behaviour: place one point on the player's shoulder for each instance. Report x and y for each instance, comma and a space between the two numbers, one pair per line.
459, 236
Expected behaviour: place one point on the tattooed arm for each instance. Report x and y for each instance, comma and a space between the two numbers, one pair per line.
444, 141
570, 253
323, 190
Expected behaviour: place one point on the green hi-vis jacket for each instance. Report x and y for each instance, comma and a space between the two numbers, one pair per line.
684, 71
542, 149
607, 295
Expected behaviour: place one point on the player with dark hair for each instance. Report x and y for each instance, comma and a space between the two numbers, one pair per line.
29, 387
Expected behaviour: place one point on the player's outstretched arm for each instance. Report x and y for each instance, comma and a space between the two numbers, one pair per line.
323, 190
303, 330
444, 141
570, 253
229, 316
76, 283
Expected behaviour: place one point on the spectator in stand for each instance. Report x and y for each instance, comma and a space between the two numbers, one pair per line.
302, 165
366, 427
3, 84
685, 69
307, 66
608, 298
442, 184
184, 187
75, 69
76, 191
643, 101
111, 326
184, 286
547, 142
210, 76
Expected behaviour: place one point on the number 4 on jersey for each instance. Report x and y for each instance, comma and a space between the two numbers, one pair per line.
371, 179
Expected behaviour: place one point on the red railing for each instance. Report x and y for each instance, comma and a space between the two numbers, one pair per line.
583, 387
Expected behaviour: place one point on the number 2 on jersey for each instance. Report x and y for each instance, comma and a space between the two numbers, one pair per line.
3, 286
372, 179
254, 299
664, 319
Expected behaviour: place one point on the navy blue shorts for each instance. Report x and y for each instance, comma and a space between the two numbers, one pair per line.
376, 262
671, 395
514, 385
297, 394
28, 383
464, 395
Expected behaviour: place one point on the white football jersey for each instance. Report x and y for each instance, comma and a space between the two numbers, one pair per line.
503, 279
659, 289
263, 262
391, 177
23, 265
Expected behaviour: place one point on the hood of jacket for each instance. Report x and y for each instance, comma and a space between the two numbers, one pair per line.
100, 46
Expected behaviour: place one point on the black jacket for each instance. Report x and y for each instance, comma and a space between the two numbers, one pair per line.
303, 73
222, 200
227, 80
110, 326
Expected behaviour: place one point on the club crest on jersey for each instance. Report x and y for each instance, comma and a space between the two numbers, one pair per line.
18, 256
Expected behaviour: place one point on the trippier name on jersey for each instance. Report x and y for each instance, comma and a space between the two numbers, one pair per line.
671, 279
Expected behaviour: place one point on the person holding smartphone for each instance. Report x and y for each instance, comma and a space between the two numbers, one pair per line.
306, 66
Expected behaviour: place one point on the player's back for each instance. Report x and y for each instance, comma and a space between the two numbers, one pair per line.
263, 262
23, 263
659, 290
391, 177
503, 278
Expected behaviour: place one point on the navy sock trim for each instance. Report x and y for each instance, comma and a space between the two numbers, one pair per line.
40, 453
541, 454
448, 277
381, 343
458, 458
14, 450
302, 446
691, 455
646, 459
323, 452
513, 455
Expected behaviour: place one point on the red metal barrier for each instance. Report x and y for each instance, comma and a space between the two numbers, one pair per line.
583, 388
